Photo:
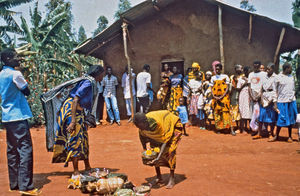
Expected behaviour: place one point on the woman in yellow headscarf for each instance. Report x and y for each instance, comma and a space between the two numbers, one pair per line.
160, 129
196, 71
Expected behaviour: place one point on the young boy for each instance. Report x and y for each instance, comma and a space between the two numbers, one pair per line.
182, 113
255, 80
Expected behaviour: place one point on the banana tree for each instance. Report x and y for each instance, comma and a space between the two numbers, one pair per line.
7, 15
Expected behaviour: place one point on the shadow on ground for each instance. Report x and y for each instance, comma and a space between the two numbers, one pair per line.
178, 179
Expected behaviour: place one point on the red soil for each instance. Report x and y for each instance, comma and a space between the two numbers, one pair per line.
207, 163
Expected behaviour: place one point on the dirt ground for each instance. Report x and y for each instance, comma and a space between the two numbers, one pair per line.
207, 163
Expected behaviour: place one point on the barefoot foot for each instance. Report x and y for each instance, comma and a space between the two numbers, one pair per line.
171, 184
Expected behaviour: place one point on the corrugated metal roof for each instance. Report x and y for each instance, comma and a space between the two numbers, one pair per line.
145, 9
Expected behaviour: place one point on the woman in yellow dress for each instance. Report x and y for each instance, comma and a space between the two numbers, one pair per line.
160, 129
221, 100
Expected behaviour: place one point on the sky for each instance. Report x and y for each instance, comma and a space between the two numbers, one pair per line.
86, 12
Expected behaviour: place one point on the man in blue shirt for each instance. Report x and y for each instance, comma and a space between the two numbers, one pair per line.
15, 112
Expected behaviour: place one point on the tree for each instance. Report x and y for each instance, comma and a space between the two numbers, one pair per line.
102, 24
296, 13
244, 4
7, 15
52, 4
124, 5
81, 34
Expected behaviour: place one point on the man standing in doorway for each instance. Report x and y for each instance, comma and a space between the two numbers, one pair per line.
143, 81
110, 83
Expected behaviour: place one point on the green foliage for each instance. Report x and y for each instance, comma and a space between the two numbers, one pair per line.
102, 24
296, 13
244, 4
47, 48
124, 5
54, 4
7, 15
294, 59
81, 34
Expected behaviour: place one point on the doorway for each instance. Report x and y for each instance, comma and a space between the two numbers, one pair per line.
173, 63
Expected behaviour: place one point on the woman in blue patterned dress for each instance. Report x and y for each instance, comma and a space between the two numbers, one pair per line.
71, 141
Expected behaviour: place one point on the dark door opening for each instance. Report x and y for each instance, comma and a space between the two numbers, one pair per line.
179, 64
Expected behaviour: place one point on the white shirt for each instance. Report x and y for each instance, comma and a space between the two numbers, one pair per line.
256, 80
285, 88
269, 90
142, 79
194, 86
269, 83
126, 87
220, 77
19, 80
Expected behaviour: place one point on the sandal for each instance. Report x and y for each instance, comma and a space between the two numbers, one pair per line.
256, 137
273, 139
31, 192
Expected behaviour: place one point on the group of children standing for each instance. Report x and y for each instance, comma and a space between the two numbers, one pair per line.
259, 98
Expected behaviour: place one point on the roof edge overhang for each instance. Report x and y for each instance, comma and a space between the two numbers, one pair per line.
148, 7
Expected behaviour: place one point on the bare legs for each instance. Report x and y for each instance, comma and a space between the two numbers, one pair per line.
171, 182
277, 134
159, 180
75, 165
184, 130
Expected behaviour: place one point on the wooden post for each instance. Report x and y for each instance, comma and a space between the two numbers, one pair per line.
279, 45
124, 27
221, 38
250, 28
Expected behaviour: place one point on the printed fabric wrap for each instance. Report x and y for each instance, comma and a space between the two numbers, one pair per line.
68, 145
165, 128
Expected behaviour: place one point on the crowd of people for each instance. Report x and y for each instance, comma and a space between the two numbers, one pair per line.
259, 98
252, 100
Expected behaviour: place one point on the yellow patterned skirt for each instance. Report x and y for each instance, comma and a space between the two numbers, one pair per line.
168, 158
68, 145
234, 109
222, 113
176, 93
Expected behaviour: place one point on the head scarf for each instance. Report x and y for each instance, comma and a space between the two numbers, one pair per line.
208, 72
196, 65
214, 65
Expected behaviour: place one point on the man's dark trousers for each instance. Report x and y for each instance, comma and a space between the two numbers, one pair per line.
19, 155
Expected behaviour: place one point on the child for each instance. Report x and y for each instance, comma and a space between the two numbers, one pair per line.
207, 98
201, 113
255, 80
244, 99
234, 96
183, 115
268, 108
195, 91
